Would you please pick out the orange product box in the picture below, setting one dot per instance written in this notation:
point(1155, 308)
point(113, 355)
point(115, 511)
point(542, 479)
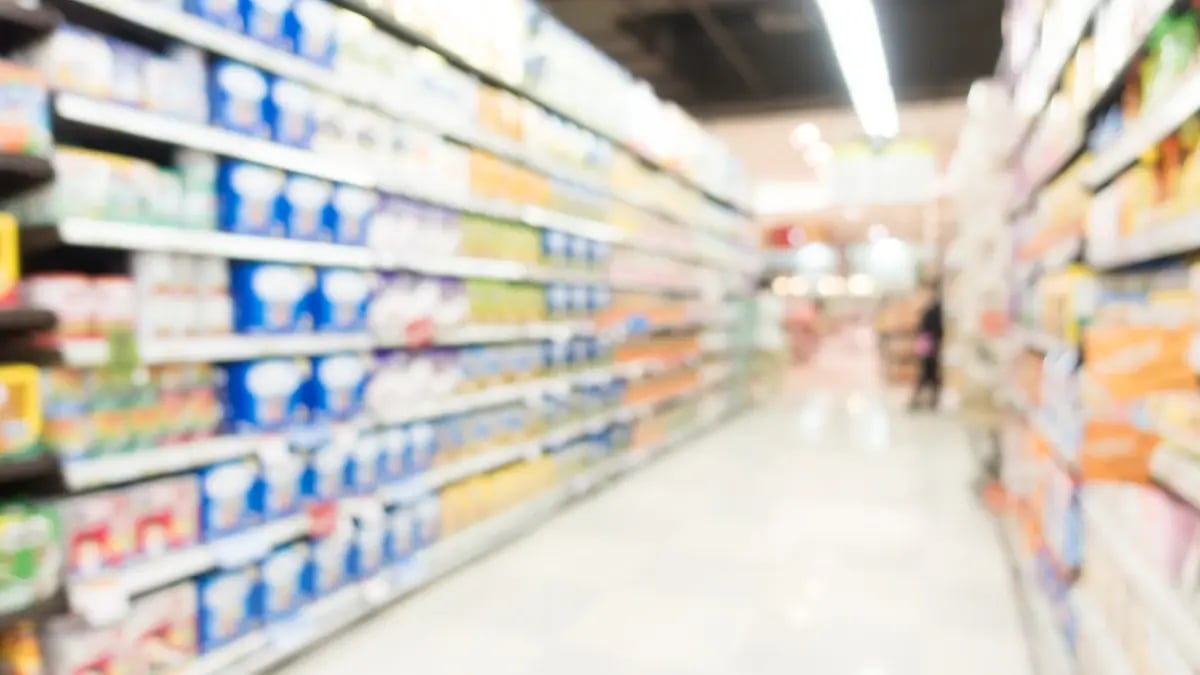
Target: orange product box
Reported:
point(1129, 362)
point(1116, 451)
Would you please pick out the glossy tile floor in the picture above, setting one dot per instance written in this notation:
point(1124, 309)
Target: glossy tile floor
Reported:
point(824, 534)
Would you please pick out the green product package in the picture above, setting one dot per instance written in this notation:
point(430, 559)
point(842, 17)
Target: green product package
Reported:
point(30, 554)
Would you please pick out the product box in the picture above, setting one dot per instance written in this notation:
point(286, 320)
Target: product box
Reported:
point(402, 539)
point(284, 572)
point(325, 473)
point(238, 98)
point(165, 513)
point(31, 554)
point(364, 465)
point(265, 20)
point(77, 60)
point(229, 604)
point(350, 214)
point(227, 503)
point(393, 445)
point(336, 388)
point(21, 416)
point(97, 531)
point(428, 514)
point(160, 631)
point(24, 114)
point(280, 486)
point(422, 447)
point(264, 395)
point(74, 647)
point(293, 109)
point(311, 26)
point(273, 298)
point(303, 208)
point(221, 12)
point(340, 300)
point(368, 553)
point(330, 560)
point(248, 197)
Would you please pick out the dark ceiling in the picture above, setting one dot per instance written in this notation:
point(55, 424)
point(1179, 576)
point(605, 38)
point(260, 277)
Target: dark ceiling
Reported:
point(733, 56)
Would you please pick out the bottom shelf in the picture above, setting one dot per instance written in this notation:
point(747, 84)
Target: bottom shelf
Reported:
point(1047, 645)
point(266, 649)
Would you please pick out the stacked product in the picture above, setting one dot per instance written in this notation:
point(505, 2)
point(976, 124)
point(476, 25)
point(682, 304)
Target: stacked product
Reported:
point(330, 317)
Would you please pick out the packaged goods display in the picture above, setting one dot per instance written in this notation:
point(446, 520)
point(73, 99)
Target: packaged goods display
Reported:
point(1101, 461)
point(326, 317)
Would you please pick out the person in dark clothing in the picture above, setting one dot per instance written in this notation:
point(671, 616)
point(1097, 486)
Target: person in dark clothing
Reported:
point(929, 351)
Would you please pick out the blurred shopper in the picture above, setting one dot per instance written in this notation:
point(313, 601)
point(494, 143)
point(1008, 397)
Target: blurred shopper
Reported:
point(928, 348)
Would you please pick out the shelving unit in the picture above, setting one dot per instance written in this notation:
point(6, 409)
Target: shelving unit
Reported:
point(544, 402)
point(1092, 287)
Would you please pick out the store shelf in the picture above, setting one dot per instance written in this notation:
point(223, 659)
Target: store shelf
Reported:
point(1165, 606)
point(1098, 648)
point(92, 353)
point(131, 121)
point(22, 23)
point(1177, 471)
point(42, 609)
point(1176, 237)
point(20, 319)
point(399, 29)
point(90, 473)
point(87, 232)
point(269, 648)
point(1045, 69)
point(38, 468)
point(1047, 641)
point(1167, 113)
point(1154, 9)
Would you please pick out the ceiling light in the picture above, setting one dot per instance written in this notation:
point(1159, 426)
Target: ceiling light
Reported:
point(804, 135)
point(819, 154)
point(779, 286)
point(854, 31)
point(831, 285)
point(798, 286)
point(861, 285)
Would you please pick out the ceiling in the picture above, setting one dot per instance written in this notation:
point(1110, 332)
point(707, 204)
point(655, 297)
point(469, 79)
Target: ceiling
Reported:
point(733, 56)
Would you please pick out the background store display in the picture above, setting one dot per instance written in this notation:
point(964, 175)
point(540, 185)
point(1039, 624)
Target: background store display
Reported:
point(332, 317)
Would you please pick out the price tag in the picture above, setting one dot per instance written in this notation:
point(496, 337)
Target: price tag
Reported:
point(240, 550)
point(377, 591)
point(419, 333)
point(322, 519)
point(101, 601)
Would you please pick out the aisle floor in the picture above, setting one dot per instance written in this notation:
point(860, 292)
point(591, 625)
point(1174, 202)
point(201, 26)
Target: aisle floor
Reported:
point(824, 534)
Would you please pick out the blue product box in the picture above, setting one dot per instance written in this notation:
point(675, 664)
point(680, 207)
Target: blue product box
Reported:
point(238, 98)
point(248, 199)
point(340, 300)
point(367, 555)
point(330, 561)
point(280, 484)
point(393, 446)
point(221, 12)
point(270, 298)
point(266, 20)
point(228, 606)
point(401, 541)
point(558, 298)
point(312, 29)
point(302, 208)
point(449, 433)
point(263, 395)
point(555, 246)
point(363, 465)
point(324, 473)
point(350, 213)
point(422, 448)
point(293, 113)
point(337, 386)
point(227, 504)
point(429, 521)
point(283, 576)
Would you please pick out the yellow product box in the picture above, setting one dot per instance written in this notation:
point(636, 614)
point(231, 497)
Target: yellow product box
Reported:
point(20, 411)
point(10, 260)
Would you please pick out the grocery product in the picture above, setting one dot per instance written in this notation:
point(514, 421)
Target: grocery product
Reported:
point(20, 411)
point(32, 554)
point(248, 199)
point(270, 298)
point(24, 116)
point(228, 603)
point(284, 591)
point(264, 395)
point(339, 300)
point(227, 498)
point(303, 206)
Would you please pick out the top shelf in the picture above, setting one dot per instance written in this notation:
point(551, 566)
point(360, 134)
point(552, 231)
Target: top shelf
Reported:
point(400, 30)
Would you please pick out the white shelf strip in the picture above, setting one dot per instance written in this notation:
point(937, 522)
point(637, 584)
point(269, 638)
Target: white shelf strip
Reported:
point(1166, 114)
point(94, 352)
point(1177, 471)
point(1101, 650)
point(1175, 237)
point(158, 127)
point(1165, 604)
point(1049, 646)
point(330, 615)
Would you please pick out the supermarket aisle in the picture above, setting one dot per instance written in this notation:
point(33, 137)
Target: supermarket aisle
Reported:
point(819, 535)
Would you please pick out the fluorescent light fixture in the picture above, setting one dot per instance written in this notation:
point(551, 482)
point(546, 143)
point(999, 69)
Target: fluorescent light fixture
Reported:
point(861, 285)
point(805, 135)
point(854, 31)
point(798, 286)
